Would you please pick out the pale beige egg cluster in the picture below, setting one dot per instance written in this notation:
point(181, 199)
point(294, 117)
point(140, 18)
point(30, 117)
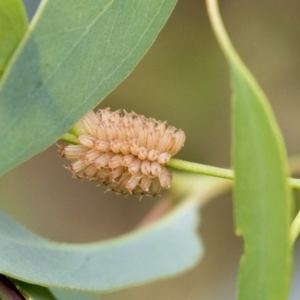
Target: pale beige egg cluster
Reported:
point(125, 151)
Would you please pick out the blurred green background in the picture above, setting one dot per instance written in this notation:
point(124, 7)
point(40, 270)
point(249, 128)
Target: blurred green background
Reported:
point(182, 79)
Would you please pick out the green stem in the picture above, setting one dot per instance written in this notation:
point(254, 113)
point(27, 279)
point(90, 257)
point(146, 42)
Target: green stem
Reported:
point(229, 174)
point(200, 169)
point(192, 167)
point(295, 183)
point(295, 228)
point(220, 32)
point(213, 171)
point(70, 138)
point(187, 166)
point(77, 130)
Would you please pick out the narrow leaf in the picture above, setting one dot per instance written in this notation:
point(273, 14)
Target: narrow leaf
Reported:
point(262, 195)
point(34, 292)
point(75, 53)
point(13, 25)
point(74, 295)
point(163, 249)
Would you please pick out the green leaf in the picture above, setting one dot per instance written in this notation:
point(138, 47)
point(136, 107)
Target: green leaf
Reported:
point(262, 195)
point(75, 53)
point(160, 250)
point(13, 25)
point(74, 295)
point(34, 292)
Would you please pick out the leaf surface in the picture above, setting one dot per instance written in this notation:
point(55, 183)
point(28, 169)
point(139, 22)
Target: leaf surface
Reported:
point(13, 25)
point(34, 292)
point(74, 295)
point(74, 54)
point(261, 192)
point(168, 247)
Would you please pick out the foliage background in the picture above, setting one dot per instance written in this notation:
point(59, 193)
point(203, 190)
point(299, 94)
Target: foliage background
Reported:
point(182, 79)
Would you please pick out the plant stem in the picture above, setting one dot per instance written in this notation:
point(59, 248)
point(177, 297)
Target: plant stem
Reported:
point(77, 130)
point(295, 183)
point(295, 228)
point(213, 171)
point(221, 34)
point(192, 167)
point(229, 174)
point(70, 138)
point(188, 166)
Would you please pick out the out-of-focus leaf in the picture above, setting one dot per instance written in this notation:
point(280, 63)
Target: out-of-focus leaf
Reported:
point(262, 195)
point(74, 295)
point(35, 292)
point(160, 250)
point(13, 25)
point(76, 52)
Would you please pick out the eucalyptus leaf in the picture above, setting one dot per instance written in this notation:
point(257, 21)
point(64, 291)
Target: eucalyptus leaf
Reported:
point(35, 292)
point(261, 192)
point(75, 52)
point(74, 295)
point(167, 247)
point(13, 25)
